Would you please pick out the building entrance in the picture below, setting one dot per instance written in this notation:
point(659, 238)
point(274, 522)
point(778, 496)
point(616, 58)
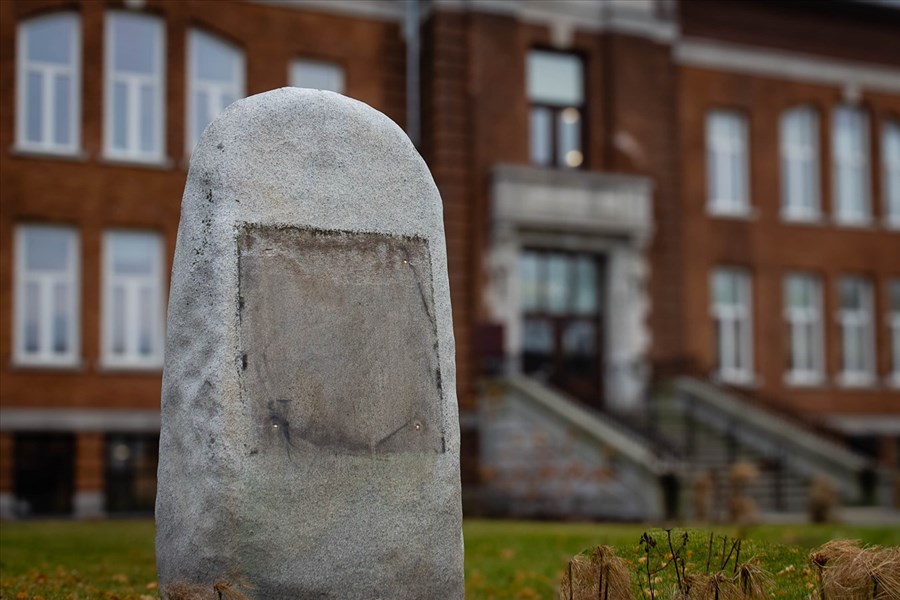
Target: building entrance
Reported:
point(562, 321)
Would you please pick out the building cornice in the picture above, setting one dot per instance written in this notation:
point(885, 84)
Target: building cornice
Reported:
point(782, 64)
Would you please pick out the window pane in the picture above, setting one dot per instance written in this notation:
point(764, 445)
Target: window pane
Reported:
point(135, 43)
point(892, 169)
point(202, 118)
point(214, 60)
point(60, 318)
point(541, 136)
point(851, 158)
point(529, 282)
point(317, 75)
point(799, 152)
point(147, 321)
point(585, 286)
point(148, 118)
point(134, 253)
point(34, 98)
point(118, 320)
point(894, 295)
point(120, 115)
point(555, 78)
point(47, 248)
point(851, 294)
point(62, 110)
point(228, 100)
point(557, 284)
point(32, 330)
point(725, 288)
point(50, 39)
point(569, 151)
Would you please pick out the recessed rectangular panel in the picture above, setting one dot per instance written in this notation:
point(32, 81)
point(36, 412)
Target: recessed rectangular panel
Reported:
point(339, 341)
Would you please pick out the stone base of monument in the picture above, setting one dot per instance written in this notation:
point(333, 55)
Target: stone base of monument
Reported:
point(310, 439)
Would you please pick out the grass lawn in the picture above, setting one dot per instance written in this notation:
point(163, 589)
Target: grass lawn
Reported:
point(504, 559)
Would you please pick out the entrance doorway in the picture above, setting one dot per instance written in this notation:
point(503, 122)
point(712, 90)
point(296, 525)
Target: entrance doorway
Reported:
point(44, 472)
point(562, 321)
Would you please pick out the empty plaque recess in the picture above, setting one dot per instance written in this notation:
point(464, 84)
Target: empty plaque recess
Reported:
point(339, 345)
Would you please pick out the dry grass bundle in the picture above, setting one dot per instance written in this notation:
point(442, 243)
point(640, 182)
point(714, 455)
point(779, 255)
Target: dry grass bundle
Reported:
point(704, 485)
point(220, 590)
point(753, 581)
point(717, 586)
point(742, 474)
point(597, 575)
point(847, 571)
point(187, 591)
point(823, 500)
point(741, 507)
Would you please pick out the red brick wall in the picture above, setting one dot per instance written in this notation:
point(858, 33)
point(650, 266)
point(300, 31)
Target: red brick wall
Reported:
point(93, 196)
point(769, 248)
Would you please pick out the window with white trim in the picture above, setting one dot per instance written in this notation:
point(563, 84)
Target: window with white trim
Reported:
point(857, 334)
point(134, 111)
point(46, 296)
point(799, 133)
point(556, 113)
point(803, 314)
point(48, 115)
point(215, 80)
point(850, 165)
point(317, 75)
point(132, 299)
point(727, 163)
point(732, 318)
point(890, 156)
point(894, 327)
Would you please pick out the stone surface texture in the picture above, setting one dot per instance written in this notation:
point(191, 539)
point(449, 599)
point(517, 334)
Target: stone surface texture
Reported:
point(310, 439)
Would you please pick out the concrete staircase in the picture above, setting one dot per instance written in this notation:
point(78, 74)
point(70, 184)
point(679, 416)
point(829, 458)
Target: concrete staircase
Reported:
point(712, 429)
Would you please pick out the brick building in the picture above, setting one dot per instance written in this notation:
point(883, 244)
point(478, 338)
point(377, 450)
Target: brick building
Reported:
point(634, 191)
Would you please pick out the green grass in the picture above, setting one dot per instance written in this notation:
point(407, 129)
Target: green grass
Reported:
point(504, 559)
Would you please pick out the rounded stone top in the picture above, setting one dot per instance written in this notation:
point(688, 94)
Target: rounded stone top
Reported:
point(312, 150)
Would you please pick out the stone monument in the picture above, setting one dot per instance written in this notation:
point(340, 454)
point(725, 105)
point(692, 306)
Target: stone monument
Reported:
point(310, 440)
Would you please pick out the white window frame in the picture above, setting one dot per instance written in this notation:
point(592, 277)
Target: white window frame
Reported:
point(132, 360)
point(843, 162)
point(48, 72)
point(863, 319)
point(800, 158)
point(891, 175)
point(893, 323)
point(800, 321)
point(215, 90)
point(735, 148)
point(316, 61)
point(734, 354)
point(133, 81)
point(45, 357)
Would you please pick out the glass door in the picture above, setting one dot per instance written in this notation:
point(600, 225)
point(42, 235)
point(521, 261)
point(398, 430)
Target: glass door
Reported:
point(561, 303)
